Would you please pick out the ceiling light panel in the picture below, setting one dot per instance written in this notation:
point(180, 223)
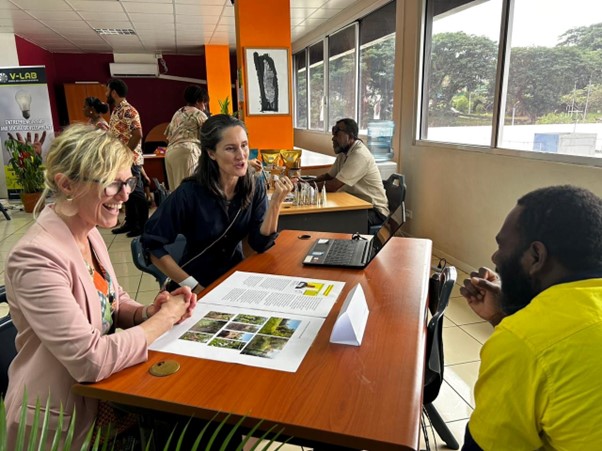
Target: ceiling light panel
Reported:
point(115, 31)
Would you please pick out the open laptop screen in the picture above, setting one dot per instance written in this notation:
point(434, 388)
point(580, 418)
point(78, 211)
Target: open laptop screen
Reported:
point(387, 230)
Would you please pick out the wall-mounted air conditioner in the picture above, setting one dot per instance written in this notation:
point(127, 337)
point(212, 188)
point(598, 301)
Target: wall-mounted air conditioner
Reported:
point(124, 70)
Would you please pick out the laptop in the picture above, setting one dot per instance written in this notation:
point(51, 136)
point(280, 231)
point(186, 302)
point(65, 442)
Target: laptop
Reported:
point(353, 253)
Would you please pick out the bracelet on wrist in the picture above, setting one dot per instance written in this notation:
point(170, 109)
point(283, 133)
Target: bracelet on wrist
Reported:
point(145, 312)
point(189, 282)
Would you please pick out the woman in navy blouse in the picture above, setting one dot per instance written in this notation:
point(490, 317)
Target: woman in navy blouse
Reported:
point(215, 208)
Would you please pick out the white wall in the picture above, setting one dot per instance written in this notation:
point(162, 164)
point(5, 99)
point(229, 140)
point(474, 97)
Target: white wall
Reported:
point(8, 56)
point(459, 196)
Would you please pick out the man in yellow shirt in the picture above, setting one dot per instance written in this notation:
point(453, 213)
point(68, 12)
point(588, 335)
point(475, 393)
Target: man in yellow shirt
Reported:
point(539, 381)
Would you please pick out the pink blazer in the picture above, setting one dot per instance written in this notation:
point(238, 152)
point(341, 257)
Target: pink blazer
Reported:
point(56, 310)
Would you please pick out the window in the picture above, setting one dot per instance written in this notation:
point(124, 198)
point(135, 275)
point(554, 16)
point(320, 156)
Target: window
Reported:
point(358, 74)
point(461, 74)
point(553, 92)
point(342, 75)
point(537, 88)
point(316, 86)
point(377, 54)
point(300, 89)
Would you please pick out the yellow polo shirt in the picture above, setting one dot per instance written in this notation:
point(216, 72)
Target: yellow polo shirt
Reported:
point(540, 380)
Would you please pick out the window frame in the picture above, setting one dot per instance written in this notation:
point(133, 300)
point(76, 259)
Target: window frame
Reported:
point(500, 91)
point(354, 22)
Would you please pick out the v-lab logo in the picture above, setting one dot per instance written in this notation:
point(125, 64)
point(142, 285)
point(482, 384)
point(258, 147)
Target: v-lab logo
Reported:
point(32, 76)
point(23, 75)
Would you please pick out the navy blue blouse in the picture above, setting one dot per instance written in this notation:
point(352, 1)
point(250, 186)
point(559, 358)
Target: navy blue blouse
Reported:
point(199, 215)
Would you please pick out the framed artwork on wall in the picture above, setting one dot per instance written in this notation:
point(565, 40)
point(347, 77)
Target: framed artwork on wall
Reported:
point(267, 81)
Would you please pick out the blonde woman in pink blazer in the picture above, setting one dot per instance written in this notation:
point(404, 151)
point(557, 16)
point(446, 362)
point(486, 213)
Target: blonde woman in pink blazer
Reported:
point(63, 294)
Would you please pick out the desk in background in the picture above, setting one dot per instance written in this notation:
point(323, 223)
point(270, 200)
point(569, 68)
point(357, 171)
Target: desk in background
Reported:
point(315, 163)
point(312, 163)
point(367, 397)
point(154, 166)
point(343, 213)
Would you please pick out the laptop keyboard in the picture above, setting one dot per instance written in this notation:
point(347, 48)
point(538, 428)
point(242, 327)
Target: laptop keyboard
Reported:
point(340, 252)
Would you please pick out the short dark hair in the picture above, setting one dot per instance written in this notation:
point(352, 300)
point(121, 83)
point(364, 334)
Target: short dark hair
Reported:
point(350, 126)
point(568, 221)
point(118, 86)
point(194, 94)
point(207, 171)
point(98, 105)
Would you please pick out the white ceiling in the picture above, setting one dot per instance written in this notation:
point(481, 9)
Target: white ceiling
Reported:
point(166, 26)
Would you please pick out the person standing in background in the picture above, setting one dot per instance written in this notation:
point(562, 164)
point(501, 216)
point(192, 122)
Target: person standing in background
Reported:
point(94, 108)
point(125, 125)
point(183, 135)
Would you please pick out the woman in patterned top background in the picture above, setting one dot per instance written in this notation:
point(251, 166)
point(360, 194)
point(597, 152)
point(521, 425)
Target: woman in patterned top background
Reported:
point(183, 136)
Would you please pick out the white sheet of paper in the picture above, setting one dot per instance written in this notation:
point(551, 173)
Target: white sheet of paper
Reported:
point(255, 319)
point(351, 323)
point(284, 294)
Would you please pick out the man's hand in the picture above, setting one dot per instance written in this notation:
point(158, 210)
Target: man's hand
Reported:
point(37, 142)
point(483, 291)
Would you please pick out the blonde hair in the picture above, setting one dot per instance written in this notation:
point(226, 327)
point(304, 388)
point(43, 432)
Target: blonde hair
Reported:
point(83, 153)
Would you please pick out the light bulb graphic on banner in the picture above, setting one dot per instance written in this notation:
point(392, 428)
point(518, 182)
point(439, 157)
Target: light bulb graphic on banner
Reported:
point(23, 99)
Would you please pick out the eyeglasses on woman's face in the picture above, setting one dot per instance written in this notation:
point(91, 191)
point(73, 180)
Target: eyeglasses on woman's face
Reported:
point(114, 188)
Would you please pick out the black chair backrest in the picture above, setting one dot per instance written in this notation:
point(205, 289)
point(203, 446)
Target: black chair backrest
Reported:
point(395, 188)
point(440, 288)
point(143, 263)
point(8, 351)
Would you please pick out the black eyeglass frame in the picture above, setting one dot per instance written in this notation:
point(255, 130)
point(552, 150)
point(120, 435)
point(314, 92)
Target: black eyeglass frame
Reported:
point(335, 129)
point(117, 185)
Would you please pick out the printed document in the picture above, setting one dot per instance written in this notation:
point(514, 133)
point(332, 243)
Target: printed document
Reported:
point(255, 319)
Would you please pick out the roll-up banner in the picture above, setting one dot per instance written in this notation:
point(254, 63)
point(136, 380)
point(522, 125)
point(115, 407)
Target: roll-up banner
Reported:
point(24, 114)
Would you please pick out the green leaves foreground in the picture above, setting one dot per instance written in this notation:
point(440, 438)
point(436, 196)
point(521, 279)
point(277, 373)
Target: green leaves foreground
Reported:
point(63, 441)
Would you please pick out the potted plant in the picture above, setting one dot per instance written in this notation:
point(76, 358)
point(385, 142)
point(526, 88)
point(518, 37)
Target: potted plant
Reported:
point(26, 163)
point(224, 105)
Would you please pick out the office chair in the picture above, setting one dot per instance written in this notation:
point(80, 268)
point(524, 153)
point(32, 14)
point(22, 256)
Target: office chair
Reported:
point(143, 263)
point(440, 288)
point(395, 188)
point(8, 351)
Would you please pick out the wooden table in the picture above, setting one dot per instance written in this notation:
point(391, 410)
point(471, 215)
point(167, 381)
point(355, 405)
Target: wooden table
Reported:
point(312, 161)
point(343, 213)
point(366, 397)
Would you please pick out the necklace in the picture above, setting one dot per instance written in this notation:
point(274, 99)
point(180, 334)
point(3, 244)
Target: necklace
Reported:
point(90, 268)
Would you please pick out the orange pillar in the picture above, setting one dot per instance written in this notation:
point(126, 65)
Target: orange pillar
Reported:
point(219, 85)
point(265, 24)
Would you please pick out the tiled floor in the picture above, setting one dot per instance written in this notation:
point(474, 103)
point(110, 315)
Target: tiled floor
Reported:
point(464, 332)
